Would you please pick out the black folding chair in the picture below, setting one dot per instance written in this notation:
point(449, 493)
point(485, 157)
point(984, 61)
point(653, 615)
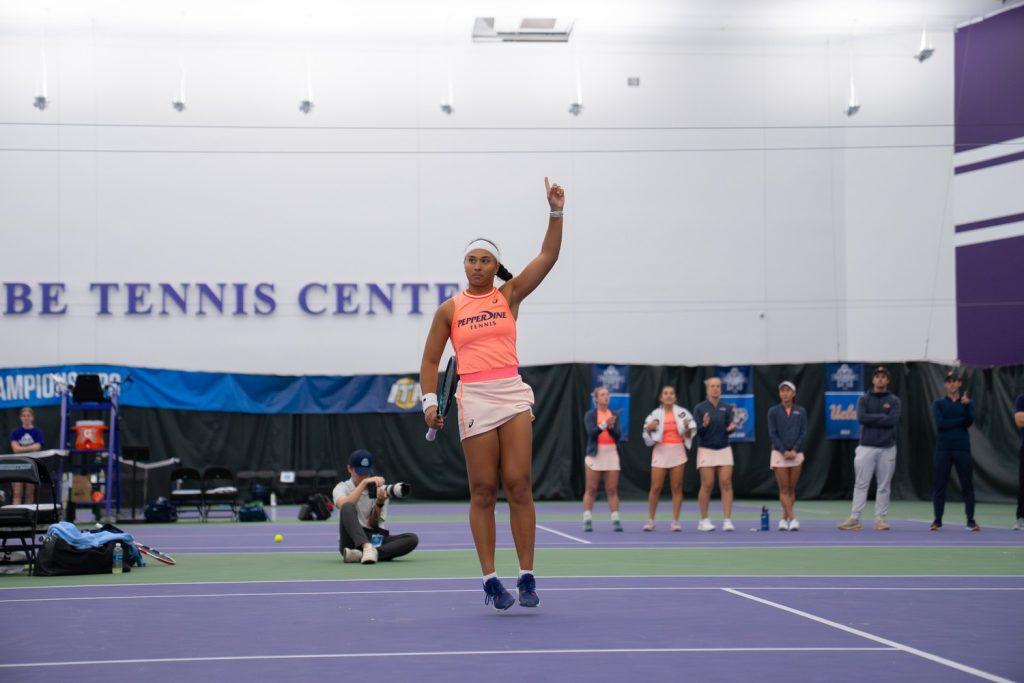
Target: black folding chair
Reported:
point(26, 523)
point(187, 490)
point(245, 480)
point(305, 485)
point(326, 480)
point(220, 491)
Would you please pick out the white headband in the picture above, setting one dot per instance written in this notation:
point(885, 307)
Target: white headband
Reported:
point(490, 248)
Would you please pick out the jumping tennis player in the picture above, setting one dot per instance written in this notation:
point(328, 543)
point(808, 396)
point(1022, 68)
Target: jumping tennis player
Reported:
point(495, 405)
point(669, 429)
point(787, 427)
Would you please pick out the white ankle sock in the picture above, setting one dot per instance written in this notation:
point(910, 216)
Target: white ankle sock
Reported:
point(587, 515)
point(524, 571)
point(488, 577)
point(615, 516)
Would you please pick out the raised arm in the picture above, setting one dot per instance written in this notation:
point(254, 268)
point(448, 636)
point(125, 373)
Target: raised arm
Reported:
point(523, 284)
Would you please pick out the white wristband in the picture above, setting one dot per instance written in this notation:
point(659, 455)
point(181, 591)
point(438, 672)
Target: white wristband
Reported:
point(556, 214)
point(428, 401)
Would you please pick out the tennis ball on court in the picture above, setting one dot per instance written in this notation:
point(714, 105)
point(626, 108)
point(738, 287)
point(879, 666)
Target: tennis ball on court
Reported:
point(278, 538)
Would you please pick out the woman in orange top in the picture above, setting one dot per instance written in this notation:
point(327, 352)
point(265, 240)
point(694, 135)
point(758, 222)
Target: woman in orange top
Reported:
point(495, 405)
point(602, 457)
point(669, 429)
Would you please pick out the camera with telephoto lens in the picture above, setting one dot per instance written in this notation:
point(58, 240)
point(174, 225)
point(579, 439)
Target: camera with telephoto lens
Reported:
point(397, 490)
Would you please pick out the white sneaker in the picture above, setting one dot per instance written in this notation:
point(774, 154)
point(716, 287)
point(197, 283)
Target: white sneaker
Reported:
point(351, 555)
point(705, 525)
point(794, 525)
point(1019, 526)
point(369, 555)
point(727, 525)
point(783, 525)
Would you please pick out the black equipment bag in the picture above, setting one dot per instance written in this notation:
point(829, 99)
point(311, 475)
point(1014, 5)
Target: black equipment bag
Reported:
point(57, 557)
point(320, 506)
point(161, 510)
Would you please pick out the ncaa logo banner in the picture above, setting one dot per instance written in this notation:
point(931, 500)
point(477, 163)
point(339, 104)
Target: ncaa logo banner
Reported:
point(615, 378)
point(738, 390)
point(844, 385)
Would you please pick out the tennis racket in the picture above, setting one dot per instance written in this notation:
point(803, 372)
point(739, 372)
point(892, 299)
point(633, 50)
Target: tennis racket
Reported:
point(446, 396)
point(155, 554)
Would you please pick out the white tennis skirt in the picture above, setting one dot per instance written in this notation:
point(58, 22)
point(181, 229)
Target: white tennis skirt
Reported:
point(484, 406)
point(714, 457)
point(779, 460)
point(606, 459)
point(668, 455)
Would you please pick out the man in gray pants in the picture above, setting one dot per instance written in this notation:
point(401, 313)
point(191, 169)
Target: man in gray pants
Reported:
point(879, 416)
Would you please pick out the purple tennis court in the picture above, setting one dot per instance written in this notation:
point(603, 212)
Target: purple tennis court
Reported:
point(714, 628)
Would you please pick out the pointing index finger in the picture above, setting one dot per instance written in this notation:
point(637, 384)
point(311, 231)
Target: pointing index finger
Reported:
point(547, 185)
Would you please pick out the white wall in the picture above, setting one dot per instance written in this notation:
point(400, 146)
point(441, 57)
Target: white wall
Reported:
point(725, 211)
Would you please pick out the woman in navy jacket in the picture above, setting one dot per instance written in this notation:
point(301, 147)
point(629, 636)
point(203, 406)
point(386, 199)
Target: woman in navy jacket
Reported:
point(602, 458)
point(787, 426)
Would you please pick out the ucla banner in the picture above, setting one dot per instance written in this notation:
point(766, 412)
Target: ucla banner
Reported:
point(214, 391)
point(844, 385)
point(615, 378)
point(738, 390)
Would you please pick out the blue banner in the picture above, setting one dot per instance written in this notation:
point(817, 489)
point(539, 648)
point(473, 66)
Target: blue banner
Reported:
point(844, 385)
point(615, 378)
point(738, 390)
point(216, 391)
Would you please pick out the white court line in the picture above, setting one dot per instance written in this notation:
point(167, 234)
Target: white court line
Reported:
point(878, 639)
point(450, 653)
point(546, 589)
point(546, 578)
point(562, 534)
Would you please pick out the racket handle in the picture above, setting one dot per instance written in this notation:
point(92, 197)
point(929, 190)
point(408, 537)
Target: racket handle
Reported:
point(431, 434)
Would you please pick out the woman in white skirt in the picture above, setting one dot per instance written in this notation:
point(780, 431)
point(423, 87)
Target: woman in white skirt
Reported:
point(787, 426)
point(669, 429)
point(495, 406)
point(602, 458)
point(715, 422)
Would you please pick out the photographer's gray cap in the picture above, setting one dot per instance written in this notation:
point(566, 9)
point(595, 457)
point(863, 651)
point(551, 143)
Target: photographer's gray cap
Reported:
point(361, 461)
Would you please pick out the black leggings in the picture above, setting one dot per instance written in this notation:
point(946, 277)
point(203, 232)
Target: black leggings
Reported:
point(944, 462)
point(354, 535)
point(1020, 487)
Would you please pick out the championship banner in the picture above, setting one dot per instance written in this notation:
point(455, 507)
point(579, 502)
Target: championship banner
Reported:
point(223, 392)
point(738, 390)
point(844, 385)
point(615, 378)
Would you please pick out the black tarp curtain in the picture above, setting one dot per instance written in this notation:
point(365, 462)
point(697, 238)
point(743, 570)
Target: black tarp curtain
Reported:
point(437, 471)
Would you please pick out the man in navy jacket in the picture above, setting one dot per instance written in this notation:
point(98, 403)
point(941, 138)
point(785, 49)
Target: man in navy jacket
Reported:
point(953, 414)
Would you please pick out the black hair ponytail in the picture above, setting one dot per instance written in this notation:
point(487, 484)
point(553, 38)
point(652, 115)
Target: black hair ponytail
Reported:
point(503, 273)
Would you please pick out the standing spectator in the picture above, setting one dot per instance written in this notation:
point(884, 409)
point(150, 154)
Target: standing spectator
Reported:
point(1018, 419)
point(25, 439)
point(879, 416)
point(669, 430)
point(953, 414)
point(715, 422)
point(787, 426)
point(602, 458)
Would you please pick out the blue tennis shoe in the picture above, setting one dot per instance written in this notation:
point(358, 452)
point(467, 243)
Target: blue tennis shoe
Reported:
point(497, 595)
point(527, 586)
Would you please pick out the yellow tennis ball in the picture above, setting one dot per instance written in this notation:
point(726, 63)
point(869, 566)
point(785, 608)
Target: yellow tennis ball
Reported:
point(278, 538)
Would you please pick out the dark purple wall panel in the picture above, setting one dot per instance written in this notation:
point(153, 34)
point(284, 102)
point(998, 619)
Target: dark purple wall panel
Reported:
point(990, 302)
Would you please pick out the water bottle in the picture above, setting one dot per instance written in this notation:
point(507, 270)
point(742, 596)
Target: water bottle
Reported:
point(764, 518)
point(376, 540)
point(273, 506)
point(118, 559)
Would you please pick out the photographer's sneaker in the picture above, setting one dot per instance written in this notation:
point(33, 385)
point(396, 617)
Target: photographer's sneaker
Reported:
point(727, 525)
point(351, 555)
point(497, 595)
point(369, 555)
point(588, 525)
point(527, 586)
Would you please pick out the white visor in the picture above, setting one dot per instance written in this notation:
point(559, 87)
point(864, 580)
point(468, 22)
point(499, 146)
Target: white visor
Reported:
point(789, 384)
point(490, 248)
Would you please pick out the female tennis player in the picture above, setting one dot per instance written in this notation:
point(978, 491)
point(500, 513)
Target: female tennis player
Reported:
point(495, 405)
point(669, 429)
point(602, 458)
point(787, 425)
point(715, 422)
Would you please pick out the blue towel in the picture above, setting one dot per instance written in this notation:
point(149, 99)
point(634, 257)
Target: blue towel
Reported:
point(70, 533)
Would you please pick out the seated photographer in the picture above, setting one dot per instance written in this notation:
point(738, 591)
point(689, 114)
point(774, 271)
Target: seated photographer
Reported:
point(362, 503)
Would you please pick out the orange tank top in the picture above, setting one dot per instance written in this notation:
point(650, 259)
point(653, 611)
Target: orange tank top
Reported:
point(604, 438)
point(484, 336)
point(671, 433)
